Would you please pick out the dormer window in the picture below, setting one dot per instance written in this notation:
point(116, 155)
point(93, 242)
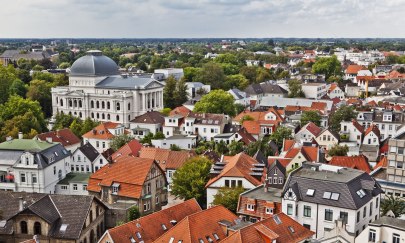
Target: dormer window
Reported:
point(269, 210)
point(115, 188)
point(250, 207)
point(27, 160)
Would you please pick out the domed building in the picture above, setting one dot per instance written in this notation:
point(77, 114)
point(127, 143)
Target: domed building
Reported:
point(97, 90)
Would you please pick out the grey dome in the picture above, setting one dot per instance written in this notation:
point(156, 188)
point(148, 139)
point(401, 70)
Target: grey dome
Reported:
point(94, 64)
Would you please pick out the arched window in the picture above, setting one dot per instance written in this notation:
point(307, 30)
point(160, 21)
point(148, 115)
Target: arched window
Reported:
point(80, 103)
point(70, 103)
point(117, 118)
point(108, 105)
point(129, 117)
point(103, 116)
point(129, 106)
point(80, 114)
point(61, 102)
point(92, 115)
point(98, 116)
point(102, 104)
point(37, 228)
point(23, 227)
point(75, 103)
point(70, 113)
point(92, 104)
point(118, 106)
point(97, 104)
point(108, 117)
point(91, 216)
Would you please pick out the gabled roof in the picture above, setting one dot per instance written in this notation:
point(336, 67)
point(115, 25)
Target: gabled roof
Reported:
point(354, 69)
point(64, 136)
point(359, 162)
point(246, 137)
point(180, 110)
point(154, 225)
point(129, 172)
point(288, 143)
point(281, 230)
point(101, 131)
point(89, 151)
point(30, 145)
point(166, 158)
point(283, 161)
point(357, 125)
point(131, 148)
point(312, 128)
point(240, 166)
point(150, 117)
point(373, 128)
point(200, 225)
point(336, 135)
point(383, 163)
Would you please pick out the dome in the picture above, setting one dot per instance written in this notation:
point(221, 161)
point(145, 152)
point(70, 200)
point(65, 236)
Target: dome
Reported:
point(94, 64)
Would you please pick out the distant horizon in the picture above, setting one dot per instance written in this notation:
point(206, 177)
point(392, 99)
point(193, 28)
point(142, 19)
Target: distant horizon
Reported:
point(197, 38)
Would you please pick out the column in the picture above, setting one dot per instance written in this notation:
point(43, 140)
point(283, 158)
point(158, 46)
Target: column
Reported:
point(143, 101)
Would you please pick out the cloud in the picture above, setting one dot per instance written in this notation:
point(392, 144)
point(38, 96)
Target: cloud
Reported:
point(203, 18)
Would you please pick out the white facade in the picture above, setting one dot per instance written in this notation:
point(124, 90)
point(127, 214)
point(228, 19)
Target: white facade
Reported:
point(314, 90)
point(326, 139)
point(353, 134)
point(184, 142)
point(371, 139)
point(336, 93)
point(382, 233)
point(177, 73)
point(212, 190)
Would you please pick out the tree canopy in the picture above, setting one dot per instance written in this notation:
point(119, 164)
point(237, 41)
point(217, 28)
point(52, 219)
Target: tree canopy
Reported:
point(329, 66)
point(394, 204)
point(344, 113)
point(228, 197)
point(311, 116)
point(217, 101)
point(119, 141)
point(338, 150)
point(295, 89)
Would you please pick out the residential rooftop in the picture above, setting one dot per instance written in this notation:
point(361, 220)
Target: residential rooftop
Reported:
point(75, 177)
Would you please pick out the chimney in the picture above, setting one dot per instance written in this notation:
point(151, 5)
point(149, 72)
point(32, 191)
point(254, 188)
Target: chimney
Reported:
point(20, 135)
point(20, 203)
point(49, 139)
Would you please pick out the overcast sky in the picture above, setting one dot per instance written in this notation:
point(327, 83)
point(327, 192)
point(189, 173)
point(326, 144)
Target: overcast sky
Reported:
point(201, 18)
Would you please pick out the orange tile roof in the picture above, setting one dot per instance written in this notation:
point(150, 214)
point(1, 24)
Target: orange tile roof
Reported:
point(132, 148)
point(63, 136)
point(354, 69)
point(312, 128)
point(353, 101)
point(238, 166)
point(332, 87)
point(357, 125)
point(383, 163)
point(151, 226)
point(359, 162)
point(288, 144)
point(372, 103)
point(166, 158)
point(101, 131)
point(283, 161)
point(181, 110)
point(252, 127)
point(394, 74)
point(373, 128)
point(309, 152)
point(268, 230)
point(130, 172)
point(259, 115)
point(200, 225)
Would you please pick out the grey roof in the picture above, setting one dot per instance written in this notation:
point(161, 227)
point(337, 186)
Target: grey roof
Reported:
point(334, 179)
point(237, 93)
point(75, 177)
point(94, 64)
point(9, 53)
point(89, 151)
point(272, 194)
point(152, 117)
point(9, 157)
point(123, 82)
point(259, 157)
point(71, 210)
point(389, 221)
point(44, 158)
point(283, 102)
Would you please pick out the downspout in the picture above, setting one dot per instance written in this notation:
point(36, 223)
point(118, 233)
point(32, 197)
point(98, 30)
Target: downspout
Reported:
point(317, 216)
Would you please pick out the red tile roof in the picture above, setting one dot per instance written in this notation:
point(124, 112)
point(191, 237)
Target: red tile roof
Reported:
point(373, 128)
point(383, 163)
point(151, 226)
point(268, 230)
point(260, 206)
point(101, 131)
point(259, 115)
point(252, 127)
point(132, 148)
point(130, 172)
point(288, 144)
point(283, 161)
point(394, 74)
point(312, 128)
point(166, 158)
point(359, 162)
point(64, 136)
point(357, 125)
point(354, 69)
point(246, 137)
point(181, 110)
point(200, 225)
point(240, 166)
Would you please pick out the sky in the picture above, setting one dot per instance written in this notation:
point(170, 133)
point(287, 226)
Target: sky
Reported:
point(201, 18)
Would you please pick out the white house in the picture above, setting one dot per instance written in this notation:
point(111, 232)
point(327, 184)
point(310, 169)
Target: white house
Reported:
point(335, 91)
point(86, 159)
point(307, 133)
point(32, 166)
point(372, 136)
point(384, 229)
point(182, 141)
point(100, 136)
point(316, 195)
point(314, 90)
point(97, 90)
point(177, 73)
point(234, 171)
point(194, 87)
point(240, 97)
point(73, 184)
point(351, 131)
point(150, 122)
point(327, 138)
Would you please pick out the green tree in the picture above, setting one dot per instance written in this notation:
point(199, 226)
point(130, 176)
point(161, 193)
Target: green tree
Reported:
point(27, 123)
point(310, 116)
point(168, 92)
point(119, 141)
point(344, 113)
point(189, 180)
point(217, 101)
point(235, 147)
point(236, 81)
point(175, 147)
point(166, 111)
point(228, 197)
point(338, 150)
point(394, 204)
point(246, 118)
point(62, 121)
point(295, 88)
point(249, 72)
point(180, 94)
point(221, 147)
point(88, 125)
point(211, 73)
point(262, 75)
point(190, 73)
point(40, 90)
point(76, 127)
point(133, 213)
point(64, 65)
point(329, 66)
point(280, 135)
point(17, 87)
point(7, 77)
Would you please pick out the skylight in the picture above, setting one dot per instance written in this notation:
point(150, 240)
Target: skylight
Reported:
point(310, 192)
point(335, 196)
point(215, 236)
point(326, 195)
point(171, 240)
point(164, 227)
point(277, 219)
point(361, 193)
point(291, 229)
point(63, 227)
point(132, 239)
point(138, 235)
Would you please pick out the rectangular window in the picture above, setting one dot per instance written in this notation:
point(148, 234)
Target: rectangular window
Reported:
point(371, 208)
point(23, 179)
point(328, 214)
point(97, 144)
point(239, 183)
point(227, 183)
point(365, 211)
point(34, 179)
point(344, 216)
point(269, 210)
point(371, 235)
point(157, 200)
point(233, 183)
point(391, 163)
point(250, 207)
point(307, 211)
point(54, 170)
point(395, 238)
point(289, 209)
point(280, 180)
point(400, 150)
point(275, 180)
point(63, 188)
point(74, 187)
point(83, 168)
point(84, 188)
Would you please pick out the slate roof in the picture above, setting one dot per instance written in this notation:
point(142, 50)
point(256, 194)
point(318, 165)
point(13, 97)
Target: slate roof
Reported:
point(265, 88)
point(269, 230)
point(150, 117)
point(64, 136)
point(71, 210)
point(152, 226)
point(324, 178)
point(94, 64)
point(390, 222)
point(89, 151)
point(129, 83)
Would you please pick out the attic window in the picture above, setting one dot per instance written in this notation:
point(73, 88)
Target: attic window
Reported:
point(138, 235)
point(65, 152)
point(327, 195)
point(164, 227)
point(216, 236)
point(291, 229)
point(63, 227)
point(335, 196)
point(361, 193)
point(200, 240)
point(310, 192)
point(209, 238)
point(56, 153)
point(171, 240)
point(276, 219)
point(115, 187)
point(132, 239)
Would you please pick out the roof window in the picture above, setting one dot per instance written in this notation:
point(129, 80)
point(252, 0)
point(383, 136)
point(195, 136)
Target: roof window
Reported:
point(361, 193)
point(310, 192)
point(327, 195)
point(335, 196)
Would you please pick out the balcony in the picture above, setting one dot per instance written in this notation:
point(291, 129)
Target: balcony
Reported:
point(7, 186)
